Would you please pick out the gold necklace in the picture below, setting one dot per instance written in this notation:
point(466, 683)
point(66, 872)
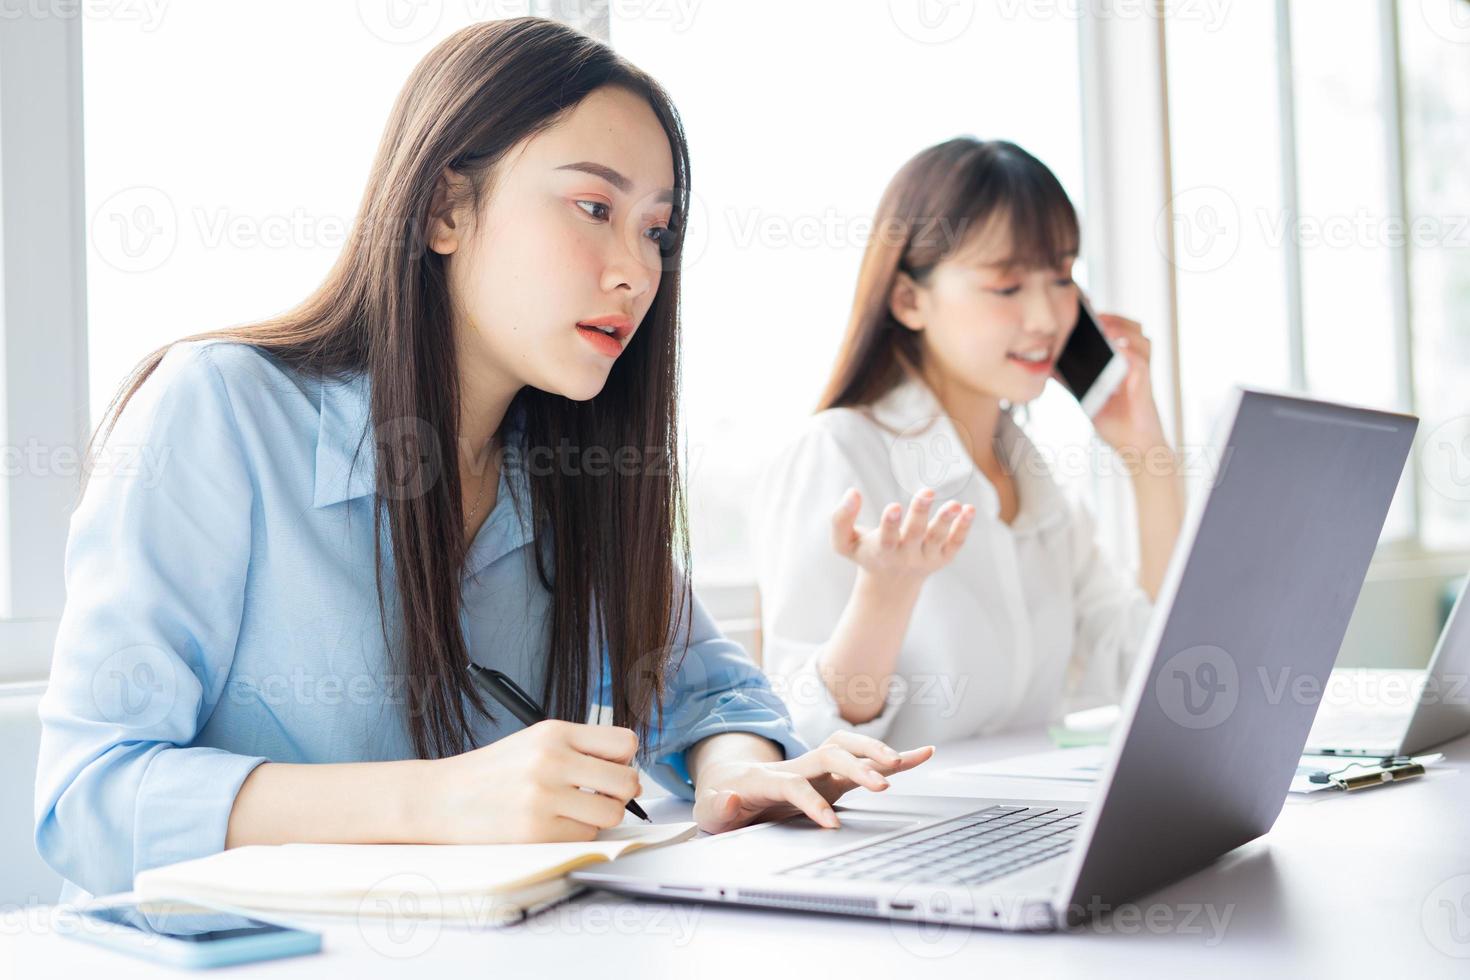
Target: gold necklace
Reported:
point(475, 507)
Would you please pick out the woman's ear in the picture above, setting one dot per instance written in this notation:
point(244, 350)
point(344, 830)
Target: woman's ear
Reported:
point(903, 302)
point(447, 222)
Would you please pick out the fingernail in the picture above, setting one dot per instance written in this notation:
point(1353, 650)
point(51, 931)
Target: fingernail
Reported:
point(829, 819)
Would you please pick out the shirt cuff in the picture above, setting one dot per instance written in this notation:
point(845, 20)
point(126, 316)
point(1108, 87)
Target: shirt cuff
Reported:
point(671, 770)
point(816, 714)
point(184, 804)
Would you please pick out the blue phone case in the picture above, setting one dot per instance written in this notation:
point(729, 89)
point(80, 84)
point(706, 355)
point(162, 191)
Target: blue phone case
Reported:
point(191, 955)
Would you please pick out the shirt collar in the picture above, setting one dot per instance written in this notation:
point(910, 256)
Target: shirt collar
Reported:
point(928, 450)
point(342, 434)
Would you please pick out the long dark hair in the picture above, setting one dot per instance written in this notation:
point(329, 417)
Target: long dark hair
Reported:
point(935, 202)
point(384, 309)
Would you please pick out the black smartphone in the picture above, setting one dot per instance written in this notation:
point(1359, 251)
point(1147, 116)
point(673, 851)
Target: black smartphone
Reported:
point(1088, 366)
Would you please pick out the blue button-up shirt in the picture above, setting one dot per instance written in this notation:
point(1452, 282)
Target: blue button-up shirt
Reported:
point(222, 612)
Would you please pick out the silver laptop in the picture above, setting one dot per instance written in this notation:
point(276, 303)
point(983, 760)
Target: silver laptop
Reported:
point(1264, 578)
point(1438, 712)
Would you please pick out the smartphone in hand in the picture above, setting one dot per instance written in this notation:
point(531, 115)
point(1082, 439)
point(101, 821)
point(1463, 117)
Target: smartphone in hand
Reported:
point(1089, 367)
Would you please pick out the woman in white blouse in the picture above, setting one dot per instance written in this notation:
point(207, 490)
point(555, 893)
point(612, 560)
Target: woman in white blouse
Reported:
point(986, 603)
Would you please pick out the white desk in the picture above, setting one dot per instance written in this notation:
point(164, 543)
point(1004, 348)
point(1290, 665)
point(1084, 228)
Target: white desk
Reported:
point(1372, 884)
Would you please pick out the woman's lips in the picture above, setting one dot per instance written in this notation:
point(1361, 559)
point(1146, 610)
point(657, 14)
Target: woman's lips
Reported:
point(1035, 367)
point(604, 344)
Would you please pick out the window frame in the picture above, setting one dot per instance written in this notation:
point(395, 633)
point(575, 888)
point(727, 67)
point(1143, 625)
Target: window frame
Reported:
point(43, 324)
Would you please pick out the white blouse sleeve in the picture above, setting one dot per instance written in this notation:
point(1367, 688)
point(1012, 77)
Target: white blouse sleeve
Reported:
point(804, 584)
point(1112, 613)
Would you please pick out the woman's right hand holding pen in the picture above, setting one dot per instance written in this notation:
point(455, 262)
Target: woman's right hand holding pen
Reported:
point(526, 787)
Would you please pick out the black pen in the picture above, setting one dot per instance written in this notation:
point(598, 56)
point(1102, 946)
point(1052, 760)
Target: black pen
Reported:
point(528, 712)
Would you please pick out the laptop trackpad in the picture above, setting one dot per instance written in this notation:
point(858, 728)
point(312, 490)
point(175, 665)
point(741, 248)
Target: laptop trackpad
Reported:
point(802, 838)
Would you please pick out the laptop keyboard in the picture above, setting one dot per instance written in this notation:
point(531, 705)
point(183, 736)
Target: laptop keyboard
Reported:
point(967, 850)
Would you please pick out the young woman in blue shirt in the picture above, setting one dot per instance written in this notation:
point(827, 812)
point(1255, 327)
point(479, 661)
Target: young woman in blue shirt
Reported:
point(461, 447)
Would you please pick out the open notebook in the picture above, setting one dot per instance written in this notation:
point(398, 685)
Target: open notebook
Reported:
point(483, 884)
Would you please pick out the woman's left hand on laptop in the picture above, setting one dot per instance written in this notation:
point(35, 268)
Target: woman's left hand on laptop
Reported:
point(732, 791)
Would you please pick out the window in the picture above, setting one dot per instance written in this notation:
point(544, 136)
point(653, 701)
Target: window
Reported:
point(1434, 58)
point(798, 115)
point(225, 202)
point(1308, 218)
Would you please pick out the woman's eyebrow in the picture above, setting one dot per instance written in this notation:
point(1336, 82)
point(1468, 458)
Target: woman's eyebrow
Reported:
point(610, 175)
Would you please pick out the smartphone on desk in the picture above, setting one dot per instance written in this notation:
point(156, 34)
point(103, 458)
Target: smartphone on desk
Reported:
point(188, 935)
point(1088, 366)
